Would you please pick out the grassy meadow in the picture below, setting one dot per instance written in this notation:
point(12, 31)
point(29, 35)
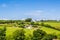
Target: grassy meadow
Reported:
point(12, 27)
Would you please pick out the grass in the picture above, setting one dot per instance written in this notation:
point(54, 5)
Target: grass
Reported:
point(54, 24)
point(10, 30)
point(50, 31)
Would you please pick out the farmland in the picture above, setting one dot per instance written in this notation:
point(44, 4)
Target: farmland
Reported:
point(12, 26)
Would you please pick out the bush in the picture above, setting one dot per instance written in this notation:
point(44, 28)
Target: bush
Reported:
point(19, 34)
point(21, 25)
point(42, 24)
point(49, 37)
point(47, 25)
point(38, 34)
point(3, 33)
point(29, 37)
point(32, 23)
point(28, 19)
point(35, 26)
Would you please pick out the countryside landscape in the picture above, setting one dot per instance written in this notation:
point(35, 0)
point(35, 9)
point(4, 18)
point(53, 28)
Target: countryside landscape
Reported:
point(29, 19)
point(29, 30)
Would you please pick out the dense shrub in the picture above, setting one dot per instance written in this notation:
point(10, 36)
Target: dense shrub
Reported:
point(32, 23)
point(38, 34)
point(42, 24)
point(19, 34)
point(49, 37)
point(47, 25)
point(3, 33)
point(21, 25)
point(28, 37)
point(35, 26)
point(28, 19)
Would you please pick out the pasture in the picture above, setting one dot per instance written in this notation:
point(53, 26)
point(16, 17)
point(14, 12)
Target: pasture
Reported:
point(10, 30)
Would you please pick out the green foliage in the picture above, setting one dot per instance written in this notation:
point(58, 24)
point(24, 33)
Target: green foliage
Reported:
point(49, 21)
point(29, 37)
point(35, 26)
point(38, 34)
point(28, 20)
point(42, 24)
point(47, 25)
point(12, 25)
point(21, 25)
point(49, 37)
point(19, 34)
point(32, 23)
point(3, 33)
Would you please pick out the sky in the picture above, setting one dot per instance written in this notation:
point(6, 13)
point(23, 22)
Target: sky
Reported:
point(35, 9)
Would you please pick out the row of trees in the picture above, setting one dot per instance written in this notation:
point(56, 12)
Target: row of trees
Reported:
point(26, 20)
point(15, 21)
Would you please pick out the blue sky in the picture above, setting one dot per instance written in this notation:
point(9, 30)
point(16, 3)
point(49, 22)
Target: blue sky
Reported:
point(36, 9)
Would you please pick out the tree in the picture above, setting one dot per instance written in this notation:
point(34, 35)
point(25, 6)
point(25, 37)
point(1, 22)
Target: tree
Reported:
point(42, 24)
point(29, 37)
point(3, 33)
point(49, 37)
point(38, 34)
point(32, 23)
point(19, 35)
point(21, 25)
point(28, 19)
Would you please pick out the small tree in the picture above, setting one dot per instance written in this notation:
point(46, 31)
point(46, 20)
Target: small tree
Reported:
point(38, 34)
point(28, 19)
point(19, 35)
point(42, 24)
point(29, 37)
point(32, 23)
point(3, 33)
point(49, 37)
point(21, 25)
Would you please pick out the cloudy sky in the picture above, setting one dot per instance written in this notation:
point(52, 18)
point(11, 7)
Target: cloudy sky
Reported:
point(36, 9)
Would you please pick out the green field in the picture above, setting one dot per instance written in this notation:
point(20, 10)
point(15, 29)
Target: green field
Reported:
point(11, 29)
point(54, 24)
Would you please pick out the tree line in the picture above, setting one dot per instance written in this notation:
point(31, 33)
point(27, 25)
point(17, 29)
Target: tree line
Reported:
point(26, 20)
